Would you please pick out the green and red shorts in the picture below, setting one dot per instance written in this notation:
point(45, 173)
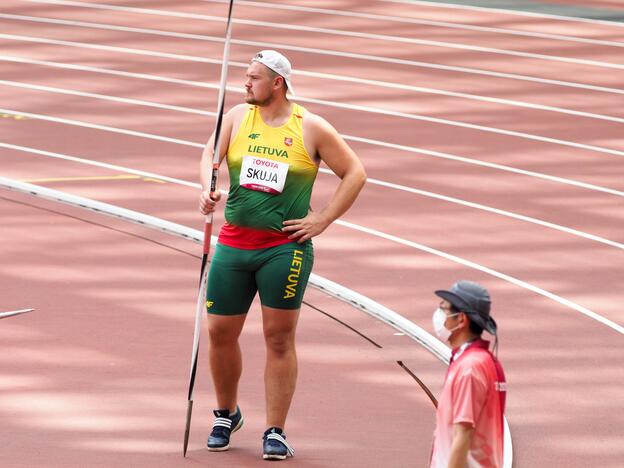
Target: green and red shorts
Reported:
point(279, 274)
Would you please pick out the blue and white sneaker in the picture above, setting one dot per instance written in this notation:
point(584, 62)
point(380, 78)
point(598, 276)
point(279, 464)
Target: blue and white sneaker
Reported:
point(224, 425)
point(274, 445)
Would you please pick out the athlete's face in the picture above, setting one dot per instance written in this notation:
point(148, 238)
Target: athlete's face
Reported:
point(261, 84)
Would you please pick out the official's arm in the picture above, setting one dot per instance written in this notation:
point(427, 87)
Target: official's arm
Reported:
point(462, 436)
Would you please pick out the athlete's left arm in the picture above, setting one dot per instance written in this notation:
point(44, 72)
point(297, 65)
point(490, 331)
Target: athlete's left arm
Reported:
point(340, 158)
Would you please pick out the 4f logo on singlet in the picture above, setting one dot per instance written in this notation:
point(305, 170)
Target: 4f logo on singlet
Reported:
point(254, 136)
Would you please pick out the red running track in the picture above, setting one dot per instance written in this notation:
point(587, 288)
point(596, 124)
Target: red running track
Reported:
point(97, 375)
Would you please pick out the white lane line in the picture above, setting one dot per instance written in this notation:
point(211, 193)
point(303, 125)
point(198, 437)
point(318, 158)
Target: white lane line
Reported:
point(338, 105)
point(455, 123)
point(489, 271)
point(490, 209)
point(177, 229)
point(478, 206)
point(105, 97)
point(90, 162)
point(350, 79)
point(476, 162)
point(335, 32)
point(377, 58)
point(105, 128)
point(367, 141)
point(507, 12)
point(404, 188)
point(191, 58)
point(408, 20)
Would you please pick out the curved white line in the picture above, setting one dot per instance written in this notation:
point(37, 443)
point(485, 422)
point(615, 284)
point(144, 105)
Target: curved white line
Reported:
point(409, 20)
point(372, 308)
point(192, 58)
point(350, 79)
point(507, 12)
point(336, 32)
point(338, 105)
point(382, 144)
point(403, 188)
point(170, 227)
point(490, 209)
point(476, 162)
point(455, 123)
point(359, 301)
point(523, 284)
point(475, 97)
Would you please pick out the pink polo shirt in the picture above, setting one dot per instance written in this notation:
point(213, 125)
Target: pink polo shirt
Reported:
point(474, 393)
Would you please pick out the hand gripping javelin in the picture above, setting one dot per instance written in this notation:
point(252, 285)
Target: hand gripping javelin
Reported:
point(203, 275)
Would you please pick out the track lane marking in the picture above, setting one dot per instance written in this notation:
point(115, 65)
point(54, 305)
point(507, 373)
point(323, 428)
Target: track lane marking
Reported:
point(458, 201)
point(476, 266)
point(115, 167)
point(351, 79)
point(383, 144)
point(91, 178)
point(507, 12)
point(476, 162)
point(173, 228)
point(374, 110)
point(363, 303)
point(105, 97)
point(420, 21)
point(337, 32)
point(81, 178)
point(192, 58)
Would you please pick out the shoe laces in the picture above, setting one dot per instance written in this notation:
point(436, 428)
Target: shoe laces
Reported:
point(221, 427)
point(274, 436)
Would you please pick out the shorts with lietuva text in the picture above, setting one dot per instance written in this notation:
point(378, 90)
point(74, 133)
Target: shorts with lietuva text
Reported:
point(279, 274)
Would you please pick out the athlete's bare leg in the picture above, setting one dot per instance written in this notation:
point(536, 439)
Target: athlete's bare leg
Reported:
point(280, 374)
point(226, 363)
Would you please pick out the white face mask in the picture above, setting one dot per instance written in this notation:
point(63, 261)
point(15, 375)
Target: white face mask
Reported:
point(439, 317)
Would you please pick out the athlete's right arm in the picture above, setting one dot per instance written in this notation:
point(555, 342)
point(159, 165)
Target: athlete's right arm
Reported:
point(231, 119)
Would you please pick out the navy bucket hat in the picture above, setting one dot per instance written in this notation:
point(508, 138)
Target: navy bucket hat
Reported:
point(472, 299)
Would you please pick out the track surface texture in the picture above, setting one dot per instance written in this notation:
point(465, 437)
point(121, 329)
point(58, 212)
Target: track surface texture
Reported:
point(493, 144)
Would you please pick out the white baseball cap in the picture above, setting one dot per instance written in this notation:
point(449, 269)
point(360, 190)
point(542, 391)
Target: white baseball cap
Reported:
point(276, 62)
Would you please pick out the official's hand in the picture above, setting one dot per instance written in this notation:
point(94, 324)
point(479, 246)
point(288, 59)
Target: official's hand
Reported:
point(305, 228)
point(207, 204)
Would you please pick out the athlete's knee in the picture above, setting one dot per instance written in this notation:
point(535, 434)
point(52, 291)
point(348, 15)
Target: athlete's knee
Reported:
point(223, 332)
point(279, 341)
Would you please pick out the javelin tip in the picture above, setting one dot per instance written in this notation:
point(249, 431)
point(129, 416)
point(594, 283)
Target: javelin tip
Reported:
point(13, 313)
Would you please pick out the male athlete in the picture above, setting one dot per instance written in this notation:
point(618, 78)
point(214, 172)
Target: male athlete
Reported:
point(469, 418)
point(273, 148)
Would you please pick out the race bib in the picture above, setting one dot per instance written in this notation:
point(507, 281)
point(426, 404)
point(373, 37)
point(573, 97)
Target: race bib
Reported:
point(263, 175)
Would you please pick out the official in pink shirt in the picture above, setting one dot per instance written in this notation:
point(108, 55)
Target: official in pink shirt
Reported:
point(469, 419)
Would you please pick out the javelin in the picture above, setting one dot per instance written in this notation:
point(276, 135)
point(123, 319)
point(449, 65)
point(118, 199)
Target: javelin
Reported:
point(14, 313)
point(201, 297)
